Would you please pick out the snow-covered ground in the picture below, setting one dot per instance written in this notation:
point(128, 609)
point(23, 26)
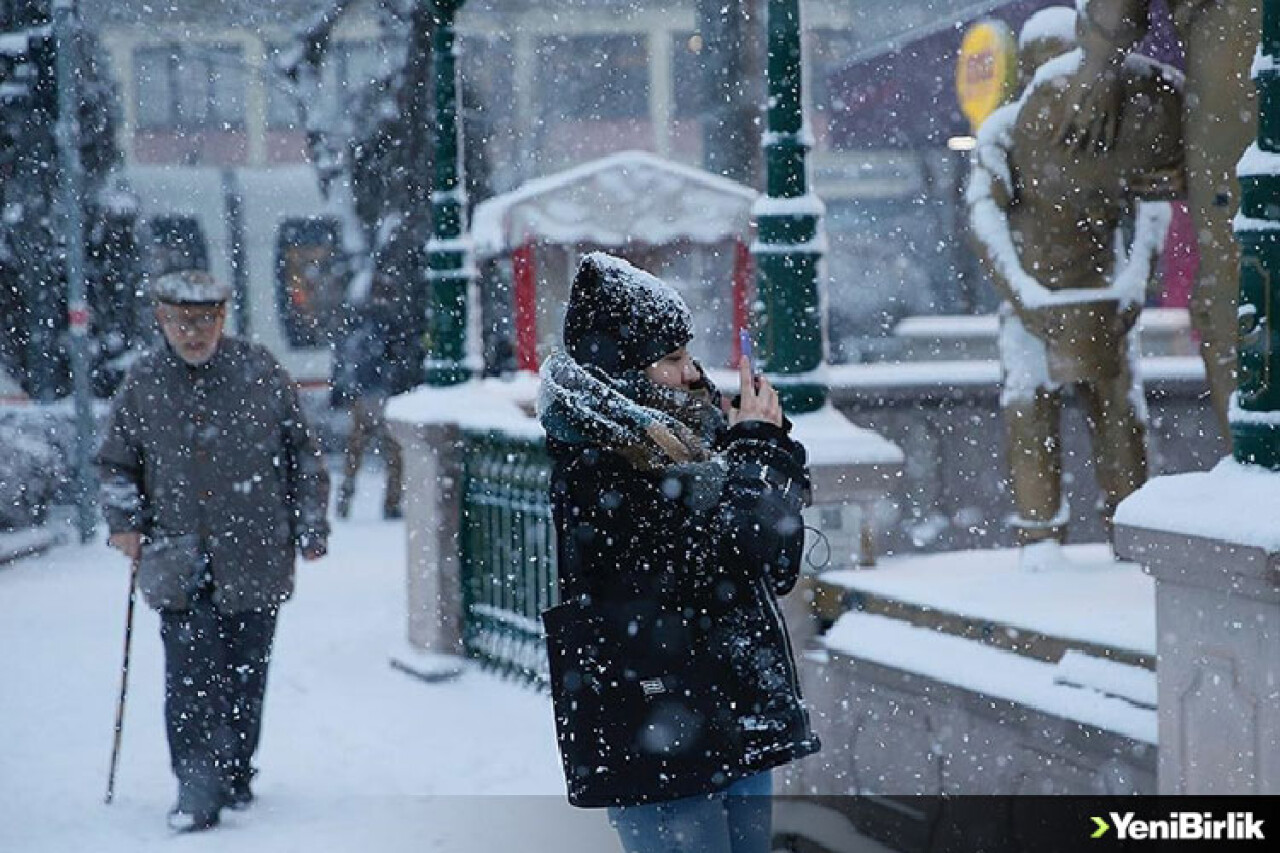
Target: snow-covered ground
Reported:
point(355, 755)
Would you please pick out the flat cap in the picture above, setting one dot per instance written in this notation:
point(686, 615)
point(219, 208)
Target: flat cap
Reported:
point(189, 287)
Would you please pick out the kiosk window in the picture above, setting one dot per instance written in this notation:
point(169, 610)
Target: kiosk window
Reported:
point(309, 280)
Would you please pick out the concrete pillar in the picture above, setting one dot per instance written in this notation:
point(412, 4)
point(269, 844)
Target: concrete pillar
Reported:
point(433, 510)
point(1218, 627)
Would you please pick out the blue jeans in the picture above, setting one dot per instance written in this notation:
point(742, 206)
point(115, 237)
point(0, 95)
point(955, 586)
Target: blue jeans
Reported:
point(738, 819)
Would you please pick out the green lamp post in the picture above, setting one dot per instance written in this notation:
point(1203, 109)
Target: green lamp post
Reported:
point(449, 265)
point(789, 236)
point(1255, 413)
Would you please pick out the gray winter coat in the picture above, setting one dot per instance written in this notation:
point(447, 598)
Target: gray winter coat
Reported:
point(216, 467)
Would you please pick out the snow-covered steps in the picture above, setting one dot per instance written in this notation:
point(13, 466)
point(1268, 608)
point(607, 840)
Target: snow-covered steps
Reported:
point(965, 673)
point(1084, 601)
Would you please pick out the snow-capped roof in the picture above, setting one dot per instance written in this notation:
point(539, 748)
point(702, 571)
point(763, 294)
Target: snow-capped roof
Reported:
point(629, 197)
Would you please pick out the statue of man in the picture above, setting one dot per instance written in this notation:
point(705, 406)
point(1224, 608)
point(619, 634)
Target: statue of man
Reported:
point(1219, 38)
point(1070, 238)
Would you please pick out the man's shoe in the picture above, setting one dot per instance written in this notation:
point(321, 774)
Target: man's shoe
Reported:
point(238, 795)
point(182, 819)
point(392, 513)
point(236, 792)
point(344, 505)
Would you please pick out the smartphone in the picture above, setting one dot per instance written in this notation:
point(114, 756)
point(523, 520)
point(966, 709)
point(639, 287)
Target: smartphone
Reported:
point(746, 350)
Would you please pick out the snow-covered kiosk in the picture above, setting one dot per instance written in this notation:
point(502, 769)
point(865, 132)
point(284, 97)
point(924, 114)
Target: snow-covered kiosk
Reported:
point(689, 227)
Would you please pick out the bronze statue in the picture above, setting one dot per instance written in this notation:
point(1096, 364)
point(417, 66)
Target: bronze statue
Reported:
point(1219, 38)
point(1070, 238)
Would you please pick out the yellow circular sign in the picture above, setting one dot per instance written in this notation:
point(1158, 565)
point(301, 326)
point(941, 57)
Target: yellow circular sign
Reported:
point(987, 73)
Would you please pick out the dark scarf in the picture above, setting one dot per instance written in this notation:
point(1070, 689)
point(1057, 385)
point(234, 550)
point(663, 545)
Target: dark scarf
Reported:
point(653, 427)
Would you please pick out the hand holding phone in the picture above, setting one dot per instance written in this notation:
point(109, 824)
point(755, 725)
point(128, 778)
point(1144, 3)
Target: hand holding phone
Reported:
point(757, 400)
point(747, 356)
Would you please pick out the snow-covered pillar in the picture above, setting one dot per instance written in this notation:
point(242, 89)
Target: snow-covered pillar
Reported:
point(449, 266)
point(433, 509)
point(1255, 409)
point(428, 422)
point(789, 242)
point(1216, 562)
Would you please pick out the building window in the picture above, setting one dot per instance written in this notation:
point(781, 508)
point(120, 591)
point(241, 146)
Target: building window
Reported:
point(349, 68)
point(310, 282)
point(184, 87)
point(594, 77)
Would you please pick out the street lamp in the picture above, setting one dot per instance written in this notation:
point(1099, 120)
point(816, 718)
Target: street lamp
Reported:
point(789, 238)
point(449, 265)
point(1255, 409)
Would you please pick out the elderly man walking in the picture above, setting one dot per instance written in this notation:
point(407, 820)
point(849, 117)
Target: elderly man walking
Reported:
point(213, 481)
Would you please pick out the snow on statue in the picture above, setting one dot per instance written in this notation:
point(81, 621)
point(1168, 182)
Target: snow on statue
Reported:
point(1070, 237)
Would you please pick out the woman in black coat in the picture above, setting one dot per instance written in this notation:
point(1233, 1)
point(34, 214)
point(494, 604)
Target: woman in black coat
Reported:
point(678, 526)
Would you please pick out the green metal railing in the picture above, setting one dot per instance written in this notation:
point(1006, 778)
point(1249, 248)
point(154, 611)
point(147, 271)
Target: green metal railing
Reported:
point(508, 552)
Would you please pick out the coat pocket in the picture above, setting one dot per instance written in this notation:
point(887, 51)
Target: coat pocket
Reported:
point(170, 570)
point(630, 688)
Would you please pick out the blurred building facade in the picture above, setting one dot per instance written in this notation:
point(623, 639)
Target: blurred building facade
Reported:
point(562, 82)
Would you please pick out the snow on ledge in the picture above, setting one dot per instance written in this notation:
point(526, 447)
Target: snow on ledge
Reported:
point(471, 405)
point(831, 439)
point(948, 326)
point(1233, 503)
point(1089, 598)
point(985, 670)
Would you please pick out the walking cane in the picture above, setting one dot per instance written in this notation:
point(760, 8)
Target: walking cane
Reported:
point(124, 681)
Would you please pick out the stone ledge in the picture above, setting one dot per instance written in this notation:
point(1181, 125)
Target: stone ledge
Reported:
point(1200, 561)
point(889, 731)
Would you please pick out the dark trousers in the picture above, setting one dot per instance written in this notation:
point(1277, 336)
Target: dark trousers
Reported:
point(369, 423)
point(215, 679)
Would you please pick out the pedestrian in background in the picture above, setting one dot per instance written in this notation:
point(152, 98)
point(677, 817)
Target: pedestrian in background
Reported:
point(678, 525)
point(212, 480)
point(372, 363)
